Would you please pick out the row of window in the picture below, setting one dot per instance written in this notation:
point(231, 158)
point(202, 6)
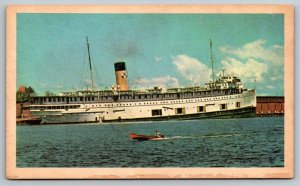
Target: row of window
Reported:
point(158, 112)
point(224, 105)
point(145, 103)
point(74, 99)
point(129, 104)
point(155, 112)
point(54, 107)
point(123, 97)
point(178, 111)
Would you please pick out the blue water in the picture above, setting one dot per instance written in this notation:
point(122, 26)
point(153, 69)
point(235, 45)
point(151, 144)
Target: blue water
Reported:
point(245, 142)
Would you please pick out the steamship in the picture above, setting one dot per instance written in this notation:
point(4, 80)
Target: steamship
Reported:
point(224, 97)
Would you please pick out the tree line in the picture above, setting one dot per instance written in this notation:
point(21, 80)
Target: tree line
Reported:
point(23, 93)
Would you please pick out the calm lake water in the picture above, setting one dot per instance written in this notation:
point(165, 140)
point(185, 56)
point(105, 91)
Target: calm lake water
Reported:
point(245, 142)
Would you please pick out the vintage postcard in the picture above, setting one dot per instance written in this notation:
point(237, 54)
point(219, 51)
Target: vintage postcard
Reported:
point(150, 91)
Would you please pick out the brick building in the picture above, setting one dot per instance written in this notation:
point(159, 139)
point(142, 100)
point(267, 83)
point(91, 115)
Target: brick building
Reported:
point(269, 105)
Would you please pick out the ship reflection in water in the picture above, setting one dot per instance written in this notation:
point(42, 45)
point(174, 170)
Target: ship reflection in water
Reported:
point(242, 142)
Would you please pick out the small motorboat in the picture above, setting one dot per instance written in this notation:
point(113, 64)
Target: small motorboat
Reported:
point(140, 137)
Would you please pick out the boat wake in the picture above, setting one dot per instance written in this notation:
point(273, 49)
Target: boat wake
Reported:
point(220, 135)
point(179, 137)
point(217, 135)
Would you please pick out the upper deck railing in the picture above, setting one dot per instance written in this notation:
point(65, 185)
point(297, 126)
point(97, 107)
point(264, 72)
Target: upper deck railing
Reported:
point(110, 97)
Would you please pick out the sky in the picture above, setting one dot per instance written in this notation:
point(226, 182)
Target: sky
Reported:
point(165, 50)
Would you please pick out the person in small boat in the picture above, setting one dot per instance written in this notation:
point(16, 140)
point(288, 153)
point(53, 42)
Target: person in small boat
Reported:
point(158, 134)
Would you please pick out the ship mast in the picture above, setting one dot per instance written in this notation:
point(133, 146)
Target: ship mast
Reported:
point(212, 62)
point(91, 72)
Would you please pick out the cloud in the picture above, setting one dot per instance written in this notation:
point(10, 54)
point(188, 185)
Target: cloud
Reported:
point(252, 61)
point(158, 59)
point(191, 69)
point(57, 86)
point(257, 60)
point(257, 50)
point(274, 78)
point(42, 84)
point(248, 71)
point(88, 82)
point(164, 82)
point(270, 87)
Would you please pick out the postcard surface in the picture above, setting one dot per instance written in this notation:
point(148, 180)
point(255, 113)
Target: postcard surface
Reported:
point(150, 91)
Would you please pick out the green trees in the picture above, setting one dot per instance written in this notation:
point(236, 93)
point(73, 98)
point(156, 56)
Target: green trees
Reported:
point(23, 93)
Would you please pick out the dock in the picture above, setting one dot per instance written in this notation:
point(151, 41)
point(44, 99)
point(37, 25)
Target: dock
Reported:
point(24, 116)
point(29, 121)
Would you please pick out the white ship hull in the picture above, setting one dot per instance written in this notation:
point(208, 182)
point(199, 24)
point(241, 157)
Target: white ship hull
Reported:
point(236, 105)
